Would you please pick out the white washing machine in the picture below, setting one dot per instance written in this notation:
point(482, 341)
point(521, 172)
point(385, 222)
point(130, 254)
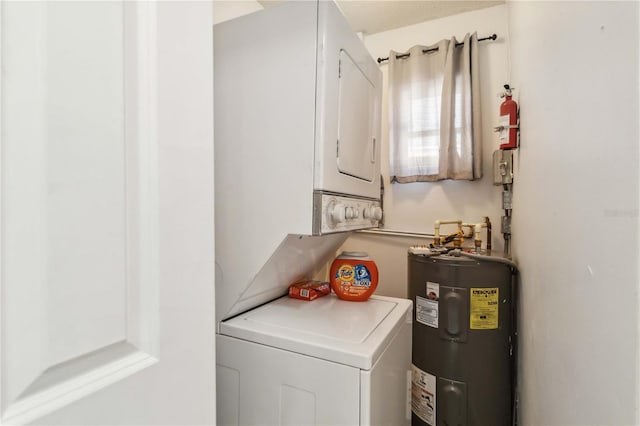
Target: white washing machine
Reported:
point(324, 362)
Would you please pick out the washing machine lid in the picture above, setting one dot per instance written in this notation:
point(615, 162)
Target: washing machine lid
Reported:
point(350, 333)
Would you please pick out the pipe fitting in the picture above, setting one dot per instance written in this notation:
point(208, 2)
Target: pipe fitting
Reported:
point(478, 241)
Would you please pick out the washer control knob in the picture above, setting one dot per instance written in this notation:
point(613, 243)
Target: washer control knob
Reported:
point(338, 213)
point(350, 213)
point(376, 213)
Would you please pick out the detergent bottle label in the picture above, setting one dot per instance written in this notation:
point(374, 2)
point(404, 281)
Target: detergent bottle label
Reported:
point(357, 276)
point(353, 279)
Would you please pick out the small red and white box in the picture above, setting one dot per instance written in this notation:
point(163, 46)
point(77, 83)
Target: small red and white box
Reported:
point(309, 289)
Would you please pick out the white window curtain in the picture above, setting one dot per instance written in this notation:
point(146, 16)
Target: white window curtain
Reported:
point(434, 113)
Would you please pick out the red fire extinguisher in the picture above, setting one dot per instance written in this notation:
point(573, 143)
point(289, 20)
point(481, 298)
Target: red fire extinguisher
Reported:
point(508, 127)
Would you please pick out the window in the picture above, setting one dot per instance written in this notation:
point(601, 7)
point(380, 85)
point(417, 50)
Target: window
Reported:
point(432, 108)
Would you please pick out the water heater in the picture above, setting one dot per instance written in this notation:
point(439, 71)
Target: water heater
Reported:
point(463, 339)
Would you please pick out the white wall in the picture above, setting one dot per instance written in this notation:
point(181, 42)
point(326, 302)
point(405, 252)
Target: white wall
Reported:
point(575, 65)
point(415, 206)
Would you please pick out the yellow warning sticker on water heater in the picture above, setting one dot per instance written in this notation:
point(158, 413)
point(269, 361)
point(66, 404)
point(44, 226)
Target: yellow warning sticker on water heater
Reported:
point(483, 314)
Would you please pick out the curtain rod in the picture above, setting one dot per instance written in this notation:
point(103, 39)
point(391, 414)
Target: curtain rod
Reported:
point(491, 37)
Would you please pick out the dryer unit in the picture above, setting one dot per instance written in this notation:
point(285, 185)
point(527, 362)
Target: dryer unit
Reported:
point(297, 129)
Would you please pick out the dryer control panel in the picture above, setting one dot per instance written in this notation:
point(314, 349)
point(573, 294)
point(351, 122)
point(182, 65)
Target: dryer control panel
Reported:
point(339, 212)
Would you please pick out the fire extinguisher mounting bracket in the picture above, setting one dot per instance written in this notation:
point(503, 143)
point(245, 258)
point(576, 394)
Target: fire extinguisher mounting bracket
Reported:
point(501, 128)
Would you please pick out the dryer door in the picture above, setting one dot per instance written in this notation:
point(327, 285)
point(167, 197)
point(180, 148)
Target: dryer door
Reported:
point(348, 94)
point(356, 153)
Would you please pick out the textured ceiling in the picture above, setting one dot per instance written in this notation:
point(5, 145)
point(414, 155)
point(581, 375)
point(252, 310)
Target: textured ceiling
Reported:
point(372, 17)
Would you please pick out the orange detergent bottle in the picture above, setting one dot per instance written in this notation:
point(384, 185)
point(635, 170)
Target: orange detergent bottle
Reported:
point(354, 276)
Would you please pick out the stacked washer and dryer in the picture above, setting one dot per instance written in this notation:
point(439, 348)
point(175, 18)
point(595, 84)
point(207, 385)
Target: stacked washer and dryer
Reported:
point(297, 166)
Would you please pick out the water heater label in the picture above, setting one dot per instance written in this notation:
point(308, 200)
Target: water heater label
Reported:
point(423, 395)
point(483, 313)
point(427, 311)
point(433, 291)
